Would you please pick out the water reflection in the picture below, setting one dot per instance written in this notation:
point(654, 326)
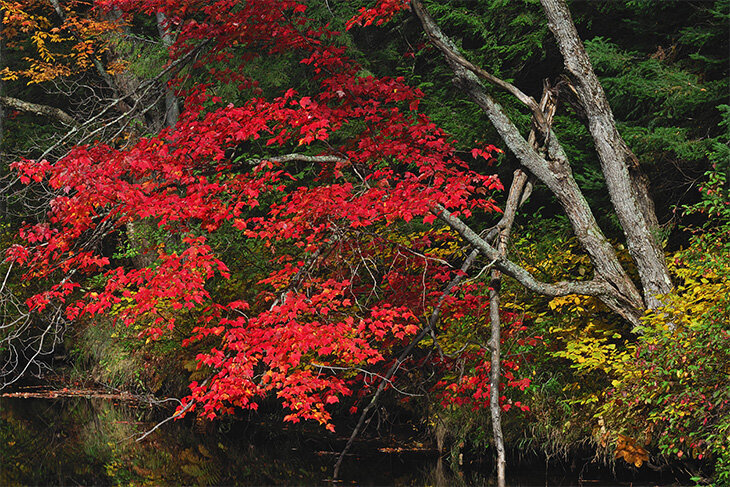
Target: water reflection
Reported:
point(86, 441)
point(79, 441)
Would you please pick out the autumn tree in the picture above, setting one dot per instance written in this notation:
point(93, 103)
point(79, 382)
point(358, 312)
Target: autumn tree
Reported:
point(69, 77)
point(347, 197)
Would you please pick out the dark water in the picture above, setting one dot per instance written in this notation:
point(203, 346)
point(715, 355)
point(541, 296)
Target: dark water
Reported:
point(85, 441)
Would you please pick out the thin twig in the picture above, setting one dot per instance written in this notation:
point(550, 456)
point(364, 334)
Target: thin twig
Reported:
point(433, 320)
point(174, 416)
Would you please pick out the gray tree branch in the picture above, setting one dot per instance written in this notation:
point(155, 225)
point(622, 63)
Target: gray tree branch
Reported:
point(37, 109)
point(553, 170)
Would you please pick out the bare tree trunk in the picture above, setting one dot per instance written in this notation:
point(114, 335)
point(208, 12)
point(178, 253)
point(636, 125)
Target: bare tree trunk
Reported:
point(519, 184)
point(626, 185)
point(494, 374)
point(519, 190)
point(543, 156)
point(172, 111)
point(549, 165)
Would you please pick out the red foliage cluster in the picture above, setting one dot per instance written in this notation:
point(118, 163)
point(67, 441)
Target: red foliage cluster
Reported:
point(472, 387)
point(322, 310)
point(378, 15)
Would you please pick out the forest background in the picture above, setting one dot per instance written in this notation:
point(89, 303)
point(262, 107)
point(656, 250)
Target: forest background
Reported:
point(312, 206)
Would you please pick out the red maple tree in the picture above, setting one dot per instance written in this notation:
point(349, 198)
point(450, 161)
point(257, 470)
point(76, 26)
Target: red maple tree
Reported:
point(358, 264)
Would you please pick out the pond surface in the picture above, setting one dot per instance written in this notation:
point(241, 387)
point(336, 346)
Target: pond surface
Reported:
point(86, 440)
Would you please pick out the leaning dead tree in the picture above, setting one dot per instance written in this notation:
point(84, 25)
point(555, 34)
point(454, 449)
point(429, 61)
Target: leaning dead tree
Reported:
point(548, 163)
point(542, 157)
